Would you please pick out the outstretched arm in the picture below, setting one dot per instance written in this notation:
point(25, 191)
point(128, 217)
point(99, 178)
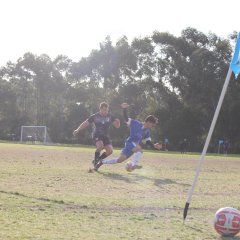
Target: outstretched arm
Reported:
point(157, 146)
point(124, 106)
point(81, 126)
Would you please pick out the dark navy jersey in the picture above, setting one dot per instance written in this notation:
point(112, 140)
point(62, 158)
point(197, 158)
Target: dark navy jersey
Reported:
point(138, 132)
point(101, 123)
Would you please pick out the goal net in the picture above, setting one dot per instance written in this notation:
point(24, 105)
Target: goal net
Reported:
point(35, 134)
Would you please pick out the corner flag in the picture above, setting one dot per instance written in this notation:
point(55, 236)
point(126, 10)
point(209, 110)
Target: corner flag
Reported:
point(235, 63)
point(234, 67)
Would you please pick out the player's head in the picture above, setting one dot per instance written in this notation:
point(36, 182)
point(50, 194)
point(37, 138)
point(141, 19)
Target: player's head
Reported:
point(150, 121)
point(103, 108)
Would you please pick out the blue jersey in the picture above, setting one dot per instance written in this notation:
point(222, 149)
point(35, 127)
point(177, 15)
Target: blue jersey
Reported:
point(138, 132)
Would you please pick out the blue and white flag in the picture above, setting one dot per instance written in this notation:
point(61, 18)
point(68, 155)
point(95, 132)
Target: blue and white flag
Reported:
point(235, 63)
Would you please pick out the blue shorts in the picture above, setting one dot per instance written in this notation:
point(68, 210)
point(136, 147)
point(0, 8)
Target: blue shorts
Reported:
point(128, 149)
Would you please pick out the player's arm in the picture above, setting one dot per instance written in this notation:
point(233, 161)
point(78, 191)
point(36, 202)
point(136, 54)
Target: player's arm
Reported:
point(124, 106)
point(154, 146)
point(81, 127)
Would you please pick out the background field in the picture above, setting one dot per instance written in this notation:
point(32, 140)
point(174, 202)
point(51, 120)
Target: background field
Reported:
point(46, 192)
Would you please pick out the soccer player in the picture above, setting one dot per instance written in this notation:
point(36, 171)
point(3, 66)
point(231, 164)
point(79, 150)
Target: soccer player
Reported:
point(101, 120)
point(138, 132)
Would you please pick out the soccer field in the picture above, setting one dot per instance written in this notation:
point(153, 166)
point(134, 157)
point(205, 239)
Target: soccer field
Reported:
point(46, 192)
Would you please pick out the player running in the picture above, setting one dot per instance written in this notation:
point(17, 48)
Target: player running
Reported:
point(138, 132)
point(101, 120)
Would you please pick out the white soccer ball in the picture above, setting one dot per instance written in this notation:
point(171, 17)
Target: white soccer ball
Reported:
point(129, 166)
point(227, 221)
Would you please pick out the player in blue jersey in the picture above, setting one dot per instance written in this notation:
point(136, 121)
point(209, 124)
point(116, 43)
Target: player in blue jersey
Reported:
point(138, 131)
point(101, 120)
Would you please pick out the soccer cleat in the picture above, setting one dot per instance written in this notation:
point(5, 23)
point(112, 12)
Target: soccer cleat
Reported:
point(98, 165)
point(136, 167)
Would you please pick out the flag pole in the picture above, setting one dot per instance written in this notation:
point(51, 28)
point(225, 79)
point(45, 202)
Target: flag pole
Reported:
point(201, 159)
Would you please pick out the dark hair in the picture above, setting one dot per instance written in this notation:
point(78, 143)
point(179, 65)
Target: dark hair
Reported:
point(151, 119)
point(103, 105)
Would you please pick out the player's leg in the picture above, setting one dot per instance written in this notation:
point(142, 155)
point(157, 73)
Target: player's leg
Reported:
point(126, 153)
point(99, 147)
point(136, 157)
point(107, 146)
point(108, 151)
point(119, 159)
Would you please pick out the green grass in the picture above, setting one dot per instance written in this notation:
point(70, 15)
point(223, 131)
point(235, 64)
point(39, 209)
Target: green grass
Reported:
point(46, 192)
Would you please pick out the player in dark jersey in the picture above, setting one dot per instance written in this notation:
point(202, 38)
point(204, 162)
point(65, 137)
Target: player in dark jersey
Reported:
point(138, 131)
point(101, 120)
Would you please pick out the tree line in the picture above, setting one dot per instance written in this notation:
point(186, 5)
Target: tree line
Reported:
point(178, 79)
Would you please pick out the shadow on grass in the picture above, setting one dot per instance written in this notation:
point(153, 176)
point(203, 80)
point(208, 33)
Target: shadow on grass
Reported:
point(165, 181)
point(69, 205)
point(115, 176)
point(40, 199)
point(138, 178)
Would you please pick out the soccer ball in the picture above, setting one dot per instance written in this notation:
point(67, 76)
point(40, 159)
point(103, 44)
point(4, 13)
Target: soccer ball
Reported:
point(129, 166)
point(227, 221)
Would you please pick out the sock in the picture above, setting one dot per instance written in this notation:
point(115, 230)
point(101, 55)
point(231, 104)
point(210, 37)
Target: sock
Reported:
point(136, 158)
point(97, 154)
point(104, 155)
point(111, 161)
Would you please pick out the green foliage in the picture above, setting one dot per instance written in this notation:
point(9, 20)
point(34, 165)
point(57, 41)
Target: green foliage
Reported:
point(179, 79)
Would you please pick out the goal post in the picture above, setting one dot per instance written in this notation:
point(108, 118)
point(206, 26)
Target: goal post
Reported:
point(34, 134)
